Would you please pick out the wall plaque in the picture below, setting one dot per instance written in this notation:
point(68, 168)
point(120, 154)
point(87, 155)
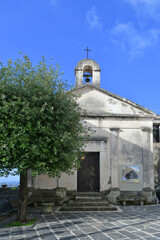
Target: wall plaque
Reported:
point(130, 174)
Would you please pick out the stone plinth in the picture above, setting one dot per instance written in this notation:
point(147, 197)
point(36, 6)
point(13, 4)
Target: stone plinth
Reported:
point(61, 192)
point(47, 208)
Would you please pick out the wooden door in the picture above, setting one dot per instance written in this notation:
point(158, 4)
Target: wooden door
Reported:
point(88, 174)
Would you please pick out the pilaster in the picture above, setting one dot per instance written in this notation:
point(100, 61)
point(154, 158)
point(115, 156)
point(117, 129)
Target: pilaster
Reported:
point(147, 159)
point(114, 137)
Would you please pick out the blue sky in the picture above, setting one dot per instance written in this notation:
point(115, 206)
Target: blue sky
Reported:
point(124, 36)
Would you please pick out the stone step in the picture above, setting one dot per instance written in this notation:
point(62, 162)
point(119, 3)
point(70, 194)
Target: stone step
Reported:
point(101, 203)
point(87, 198)
point(89, 208)
point(85, 194)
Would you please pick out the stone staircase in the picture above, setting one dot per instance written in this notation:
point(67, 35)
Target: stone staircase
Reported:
point(88, 202)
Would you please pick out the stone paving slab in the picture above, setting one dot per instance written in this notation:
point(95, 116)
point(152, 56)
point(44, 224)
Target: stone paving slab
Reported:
point(132, 222)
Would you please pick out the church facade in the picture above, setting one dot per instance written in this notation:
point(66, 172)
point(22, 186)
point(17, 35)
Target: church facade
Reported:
point(119, 153)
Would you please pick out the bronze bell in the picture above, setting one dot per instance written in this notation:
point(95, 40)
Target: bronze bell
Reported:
point(87, 79)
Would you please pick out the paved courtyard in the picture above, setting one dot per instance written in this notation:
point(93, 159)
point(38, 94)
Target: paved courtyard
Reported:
point(131, 222)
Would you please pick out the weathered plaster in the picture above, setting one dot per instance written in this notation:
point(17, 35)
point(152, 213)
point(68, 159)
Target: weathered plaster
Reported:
point(98, 102)
point(122, 135)
point(95, 71)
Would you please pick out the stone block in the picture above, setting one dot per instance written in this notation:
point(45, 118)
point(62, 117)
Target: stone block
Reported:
point(61, 192)
point(113, 195)
point(149, 195)
point(47, 208)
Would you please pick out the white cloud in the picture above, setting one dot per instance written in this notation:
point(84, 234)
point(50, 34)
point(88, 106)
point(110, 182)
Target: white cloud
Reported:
point(132, 42)
point(93, 19)
point(146, 8)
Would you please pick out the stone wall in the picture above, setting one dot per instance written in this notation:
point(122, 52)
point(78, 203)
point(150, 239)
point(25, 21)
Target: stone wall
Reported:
point(156, 156)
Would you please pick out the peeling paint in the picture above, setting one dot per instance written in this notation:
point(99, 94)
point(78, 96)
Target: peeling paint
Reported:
point(112, 101)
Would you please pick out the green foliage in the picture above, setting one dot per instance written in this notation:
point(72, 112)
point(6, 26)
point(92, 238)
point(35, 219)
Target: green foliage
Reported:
point(40, 122)
point(18, 224)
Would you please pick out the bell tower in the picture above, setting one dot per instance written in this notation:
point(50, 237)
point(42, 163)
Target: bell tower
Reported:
point(87, 71)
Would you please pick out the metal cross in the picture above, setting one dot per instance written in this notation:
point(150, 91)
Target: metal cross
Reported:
point(87, 51)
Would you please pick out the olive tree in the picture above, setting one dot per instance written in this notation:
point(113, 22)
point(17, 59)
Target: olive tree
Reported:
point(40, 123)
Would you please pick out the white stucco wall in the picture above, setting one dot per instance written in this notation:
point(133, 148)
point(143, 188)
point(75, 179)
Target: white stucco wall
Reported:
point(98, 102)
point(129, 142)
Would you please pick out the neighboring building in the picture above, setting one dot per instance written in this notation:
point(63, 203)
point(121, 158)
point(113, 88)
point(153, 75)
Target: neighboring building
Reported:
point(120, 152)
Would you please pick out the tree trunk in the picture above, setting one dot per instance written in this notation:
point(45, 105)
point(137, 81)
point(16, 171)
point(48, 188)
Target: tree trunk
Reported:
point(23, 195)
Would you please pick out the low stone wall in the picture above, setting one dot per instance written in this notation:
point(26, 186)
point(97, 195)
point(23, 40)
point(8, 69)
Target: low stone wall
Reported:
point(9, 194)
point(8, 199)
point(147, 195)
point(156, 157)
point(46, 195)
point(41, 193)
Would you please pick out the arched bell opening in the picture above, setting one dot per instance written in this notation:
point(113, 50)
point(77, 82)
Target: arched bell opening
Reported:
point(87, 74)
point(87, 71)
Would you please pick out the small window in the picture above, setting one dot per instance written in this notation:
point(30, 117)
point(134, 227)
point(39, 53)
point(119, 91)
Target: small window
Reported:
point(156, 133)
